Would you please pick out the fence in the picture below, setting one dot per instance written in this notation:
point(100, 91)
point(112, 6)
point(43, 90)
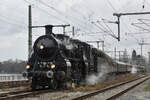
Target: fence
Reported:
point(11, 77)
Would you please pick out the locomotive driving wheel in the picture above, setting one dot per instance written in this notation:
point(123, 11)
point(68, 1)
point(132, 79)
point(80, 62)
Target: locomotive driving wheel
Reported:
point(33, 84)
point(54, 84)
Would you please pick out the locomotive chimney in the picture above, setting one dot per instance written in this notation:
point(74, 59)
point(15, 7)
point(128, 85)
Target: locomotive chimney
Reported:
point(48, 29)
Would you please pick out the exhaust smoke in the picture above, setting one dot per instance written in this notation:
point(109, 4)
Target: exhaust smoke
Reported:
point(94, 79)
point(133, 70)
point(103, 70)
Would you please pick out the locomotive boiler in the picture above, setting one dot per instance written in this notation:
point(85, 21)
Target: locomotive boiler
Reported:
point(58, 60)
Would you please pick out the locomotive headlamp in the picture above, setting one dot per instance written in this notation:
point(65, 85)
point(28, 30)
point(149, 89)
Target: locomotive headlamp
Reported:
point(41, 47)
point(52, 66)
point(28, 67)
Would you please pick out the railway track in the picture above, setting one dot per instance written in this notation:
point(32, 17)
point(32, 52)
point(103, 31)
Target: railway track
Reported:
point(113, 92)
point(22, 94)
point(12, 84)
point(30, 93)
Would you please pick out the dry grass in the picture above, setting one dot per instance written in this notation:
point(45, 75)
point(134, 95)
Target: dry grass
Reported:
point(16, 89)
point(5, 89)
point(59, 97)
point(147, 88)
point(106, 84)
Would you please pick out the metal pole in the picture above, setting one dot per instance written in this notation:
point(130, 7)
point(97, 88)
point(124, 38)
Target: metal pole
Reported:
point(64, 26)
point(136, 13)
point(115, 53)
point(103, 45)
point(119, 55)
point(118, 28)
point(73, 31)
point(121, 14)
point(30, 33)
point(64, 30)
point(148, 57)
point(141, 49)
point(97, 44)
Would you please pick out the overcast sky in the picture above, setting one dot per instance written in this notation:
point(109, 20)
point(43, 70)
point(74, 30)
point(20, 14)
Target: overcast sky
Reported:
point(78, 13)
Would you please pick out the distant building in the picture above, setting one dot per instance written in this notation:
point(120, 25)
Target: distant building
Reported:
point(133, 55)
point(138, 59)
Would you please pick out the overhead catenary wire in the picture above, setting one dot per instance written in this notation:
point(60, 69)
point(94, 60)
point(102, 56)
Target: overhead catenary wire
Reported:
point(12, 19)
point(140, 27)
point(73, 21)
point(55, 17)
point(61, 19)
point(109, 28)
point(84, 4)
point(128, 25)
point(109, 31)
point(70, 18)
point(46, 12)
point(147, 2)
point(99, 27)
point(142, 20)
point(12, 23)
point(102, 25)
point(58, 11)
point(129, 31)
point(81, 14)
point(62, 13)
point(117, 11)
point(111, 5)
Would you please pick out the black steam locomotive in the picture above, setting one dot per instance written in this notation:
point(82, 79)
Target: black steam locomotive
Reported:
point(58, 60)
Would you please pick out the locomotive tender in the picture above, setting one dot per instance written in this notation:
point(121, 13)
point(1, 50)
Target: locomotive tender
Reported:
point(58, 60)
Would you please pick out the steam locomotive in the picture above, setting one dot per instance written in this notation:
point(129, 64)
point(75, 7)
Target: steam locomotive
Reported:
point(58, 60)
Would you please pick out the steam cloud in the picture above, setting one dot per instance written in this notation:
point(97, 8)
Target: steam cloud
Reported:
point(94, 79)
point(100, 77)
point(133, 70)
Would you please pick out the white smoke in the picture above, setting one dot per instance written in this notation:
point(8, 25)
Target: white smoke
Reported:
point(103, 70)
point(94, 79)
point(133, 70)
point(67, 43)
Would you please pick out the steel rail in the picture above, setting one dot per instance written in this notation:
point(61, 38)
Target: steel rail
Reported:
point(126, 90)
point(13, 92)
point(105, 89)
point(11, 84)
point(23, 94)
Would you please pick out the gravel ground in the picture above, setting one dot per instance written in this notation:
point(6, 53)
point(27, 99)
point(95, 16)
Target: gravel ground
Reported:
point(107, 94)
point(46, 96)
point(72, 95)
point(138, 93)
point(7, 90)
point(56, 96)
